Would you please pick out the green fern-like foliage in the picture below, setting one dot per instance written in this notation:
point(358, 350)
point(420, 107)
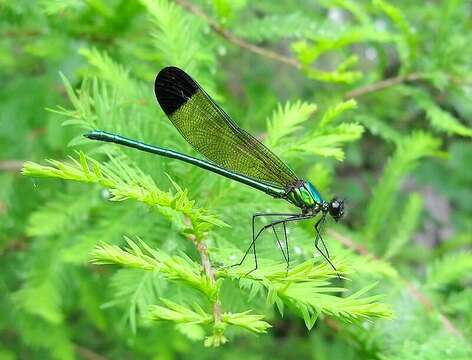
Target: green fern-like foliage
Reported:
point(304, 287)
point(111, 253)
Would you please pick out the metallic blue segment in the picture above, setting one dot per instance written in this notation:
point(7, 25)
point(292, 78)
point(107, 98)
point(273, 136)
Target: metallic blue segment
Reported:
point(314, 193)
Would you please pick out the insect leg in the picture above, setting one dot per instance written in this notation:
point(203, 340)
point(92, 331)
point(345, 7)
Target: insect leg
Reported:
point(280, 244)
point(318, 227)
point(286, 248)
point(288, 217)
point(254, 238)
point(291, 217)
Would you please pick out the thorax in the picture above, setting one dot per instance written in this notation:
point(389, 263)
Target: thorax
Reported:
point(305, 196)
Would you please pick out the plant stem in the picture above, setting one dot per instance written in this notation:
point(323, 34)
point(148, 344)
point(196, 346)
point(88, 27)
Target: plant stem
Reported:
point(273, 55)
point(206, 264)
point(232, 38)
point(88, 354)
point(11, 165)
point(202, 249)
point(383, 84)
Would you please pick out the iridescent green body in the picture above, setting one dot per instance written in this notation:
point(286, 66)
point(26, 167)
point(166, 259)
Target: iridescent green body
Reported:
point(305, 196)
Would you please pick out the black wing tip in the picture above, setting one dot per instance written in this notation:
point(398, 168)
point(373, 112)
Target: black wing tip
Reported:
point(173, 87)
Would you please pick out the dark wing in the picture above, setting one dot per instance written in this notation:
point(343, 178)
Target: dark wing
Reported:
point(212, 132)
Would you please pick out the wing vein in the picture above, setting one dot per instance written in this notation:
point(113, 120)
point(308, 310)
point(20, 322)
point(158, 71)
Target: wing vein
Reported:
point(212, 133)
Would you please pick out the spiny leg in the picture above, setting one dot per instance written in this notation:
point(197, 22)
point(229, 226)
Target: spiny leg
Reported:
point(318, 231)
point(320, 223)
point(296, 217)
point(254, 252)
point(285, 254)
point(280, 244)
point(286, 248)
point(254, 238)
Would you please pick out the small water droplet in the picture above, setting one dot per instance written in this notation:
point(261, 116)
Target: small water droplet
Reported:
point(370, 54)
point(380, 24)
point(105, 194)
point(222, 50)
point(336, 15)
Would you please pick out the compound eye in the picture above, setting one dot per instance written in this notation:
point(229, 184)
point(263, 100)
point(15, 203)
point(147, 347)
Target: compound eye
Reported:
point(336, 208)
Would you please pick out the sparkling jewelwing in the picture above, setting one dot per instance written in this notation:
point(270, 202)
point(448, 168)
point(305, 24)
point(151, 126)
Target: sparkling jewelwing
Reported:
point(233, 153)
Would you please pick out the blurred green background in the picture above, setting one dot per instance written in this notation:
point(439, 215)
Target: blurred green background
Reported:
point(400, 152)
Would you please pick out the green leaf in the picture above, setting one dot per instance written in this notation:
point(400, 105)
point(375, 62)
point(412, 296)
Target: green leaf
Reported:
point(286, 120)
point(407, 43)
point(179, 313)
point(131, 183)
point(385, 194)
point(307, 288)
point(440, 119)
point(407, 224)
point(451, 269)
point(336, 110)
point(327, 142)
point(276, 27)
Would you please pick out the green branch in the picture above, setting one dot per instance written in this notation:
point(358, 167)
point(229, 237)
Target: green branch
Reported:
point(127, 182)
point(306, 287)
